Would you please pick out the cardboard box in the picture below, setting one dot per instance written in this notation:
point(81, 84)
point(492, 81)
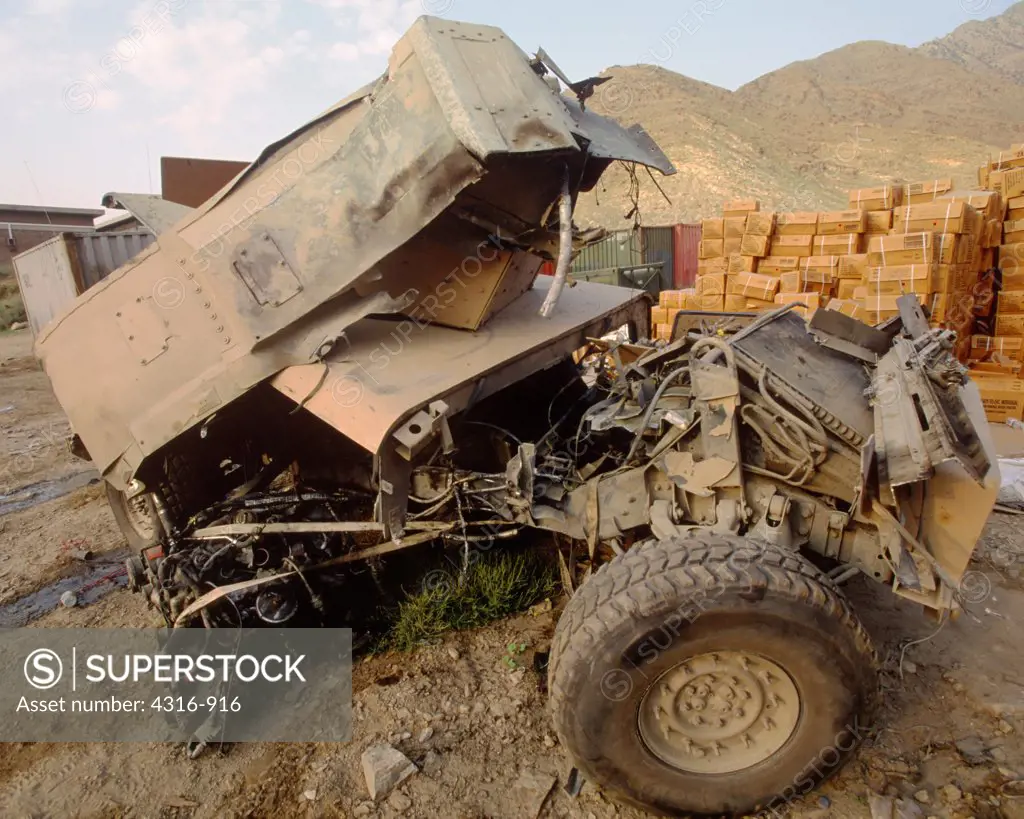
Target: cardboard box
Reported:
point(920, 279)
point(712, 284)
point(754, 244)
point(1011, 347)
point(836, 245)
point(740, 207)
point(743, 304)
point(778, 264)
point(733, 245)
point(917, 193)
point(881, 307)
point(791, 282)
point(714, 302)
point(711, 249)
point(1009, 183)
point(663, 332)
point(1015, 209)
point(742, 264)
point(1013, 158)
point(879, 221)
point(834, 223)
point(885, 197)
point(791, 246)
point(1014, 232)
point(1011, 259)
point(761, 223)
point(691, 301)
point(938, 217)
point(668, 299)
point(1010, 324)
point(955, 277)
point(994, 367)
point(853, 266)
point(988, 203)
point(735, 227)
point(705, 266)
point(712, 228)
point(659, 315)
point(796, 223)
point(992, 236)
point(754, 285)
point(810, 301)
point(1010, 301)
point(952, 248)
point(848, 307)
point(1002, 397)
point(846, 288)
point(900, 249)
point(817, 281)
point(822, 264)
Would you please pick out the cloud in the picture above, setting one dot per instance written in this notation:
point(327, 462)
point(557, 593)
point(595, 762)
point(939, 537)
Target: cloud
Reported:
point(372, 26)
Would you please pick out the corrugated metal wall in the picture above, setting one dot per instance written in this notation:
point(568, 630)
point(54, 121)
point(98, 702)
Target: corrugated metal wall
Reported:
point(46, 278)
point(626, 248)
point(55, 273)
point(100, 254)
point(686, 243)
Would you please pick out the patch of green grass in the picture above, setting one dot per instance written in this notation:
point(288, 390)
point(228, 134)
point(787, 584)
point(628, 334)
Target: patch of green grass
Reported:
point(493, 587)
point(11, 308)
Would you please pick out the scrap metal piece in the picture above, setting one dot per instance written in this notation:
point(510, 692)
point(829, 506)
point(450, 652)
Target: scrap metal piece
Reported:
point(839, 332)
point(153, 212)
point(915, 429)
point(915, 322)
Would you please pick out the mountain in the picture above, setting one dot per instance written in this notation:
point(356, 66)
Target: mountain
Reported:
point(801, 136)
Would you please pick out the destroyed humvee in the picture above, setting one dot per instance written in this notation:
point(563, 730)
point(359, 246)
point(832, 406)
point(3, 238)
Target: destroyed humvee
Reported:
point(346, 360)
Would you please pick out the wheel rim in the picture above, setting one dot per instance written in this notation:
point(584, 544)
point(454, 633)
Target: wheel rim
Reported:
point(719, 713)
point(137, 510)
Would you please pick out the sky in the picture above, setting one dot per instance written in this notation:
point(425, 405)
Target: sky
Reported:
point(95, 91)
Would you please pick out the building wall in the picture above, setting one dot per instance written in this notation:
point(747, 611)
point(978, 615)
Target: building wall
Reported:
point(36, 217)
point(23, 240)
point(27, 238)
point(191, 182)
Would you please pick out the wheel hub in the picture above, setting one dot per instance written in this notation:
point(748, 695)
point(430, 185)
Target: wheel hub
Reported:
point(718, 713)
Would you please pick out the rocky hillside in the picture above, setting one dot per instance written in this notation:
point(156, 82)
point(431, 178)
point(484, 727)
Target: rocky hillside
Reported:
point(800, 136)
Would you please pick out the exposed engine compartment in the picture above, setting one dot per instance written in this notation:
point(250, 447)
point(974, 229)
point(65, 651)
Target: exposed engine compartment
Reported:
point(755, 426)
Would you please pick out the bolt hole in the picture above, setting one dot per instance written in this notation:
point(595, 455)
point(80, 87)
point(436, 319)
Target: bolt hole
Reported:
point(878, 574)
point(415, 429)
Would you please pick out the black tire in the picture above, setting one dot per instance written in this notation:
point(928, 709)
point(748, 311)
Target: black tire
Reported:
point(646, 612)
point(136, 518)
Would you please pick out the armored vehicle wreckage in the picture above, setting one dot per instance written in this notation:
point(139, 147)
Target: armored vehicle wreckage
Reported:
point(346, 363)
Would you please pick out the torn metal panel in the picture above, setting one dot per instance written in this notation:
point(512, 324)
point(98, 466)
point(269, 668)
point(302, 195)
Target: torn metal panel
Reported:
point(153, 212)
point(699, 478)
point(846, 335)
point(387, 370)
point(920, 418)
point(829, 380)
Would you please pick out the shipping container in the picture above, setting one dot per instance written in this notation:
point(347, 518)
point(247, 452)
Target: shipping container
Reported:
point(685, 243)
point(53, 274)
point(624, 249)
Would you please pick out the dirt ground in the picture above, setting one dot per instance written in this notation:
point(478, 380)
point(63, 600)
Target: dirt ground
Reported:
point(949, 741)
